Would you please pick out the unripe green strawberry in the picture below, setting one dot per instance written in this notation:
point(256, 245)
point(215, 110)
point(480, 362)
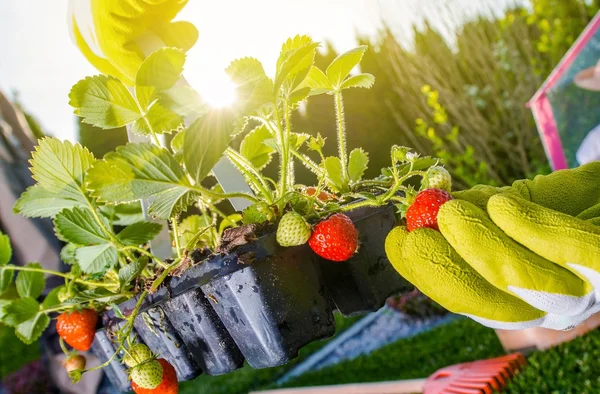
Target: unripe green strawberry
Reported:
point(292, 230)
point(137, 354)
point(74, 362)
point(438, 178)
point(147, 375)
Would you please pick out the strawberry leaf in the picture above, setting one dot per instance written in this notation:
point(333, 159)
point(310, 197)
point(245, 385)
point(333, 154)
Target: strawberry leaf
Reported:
point(205, 142)
point(79, 226)
point(97, 258)
point(161, 69)
point(294, 62)
point(317, 81)
point(254, 88)
point(20, 310)
point(67, 254)
point(139, 233)
point(333, 168)
point(359, 81)
point(59, 168)
point(131, 271)
point(104, 102)
point(157, 120)
point(341, 66)
point(254, 149)
point(357, 164)
point(38, 202)
point(30, 284)
point(31, 329)
point(137, 171)
point(184, 101)
point(5, 250)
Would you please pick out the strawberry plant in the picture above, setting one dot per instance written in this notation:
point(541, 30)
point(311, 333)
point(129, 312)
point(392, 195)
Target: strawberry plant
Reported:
point(96, 204)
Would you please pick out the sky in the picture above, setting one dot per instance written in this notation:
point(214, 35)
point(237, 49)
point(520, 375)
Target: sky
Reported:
point(39, 60)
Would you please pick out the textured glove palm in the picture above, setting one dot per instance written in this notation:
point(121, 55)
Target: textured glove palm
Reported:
point(514, 257)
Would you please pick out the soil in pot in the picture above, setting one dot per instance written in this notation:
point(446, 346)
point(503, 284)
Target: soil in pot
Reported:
point(363, 283)
point(275, 305)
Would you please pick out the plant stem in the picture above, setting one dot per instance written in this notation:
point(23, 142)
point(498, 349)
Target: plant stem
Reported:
point(223, 196)
point(252, 174)
point(288, 134)
point(67, 276)
point(341, 134)
point(165, 273)
point(283, 160)
point(144, 252)
point(175, 225)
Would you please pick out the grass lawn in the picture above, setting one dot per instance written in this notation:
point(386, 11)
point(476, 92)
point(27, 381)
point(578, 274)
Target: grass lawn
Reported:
point(13, 353)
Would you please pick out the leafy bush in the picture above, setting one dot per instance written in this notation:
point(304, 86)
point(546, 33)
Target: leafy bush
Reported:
point(15, 353)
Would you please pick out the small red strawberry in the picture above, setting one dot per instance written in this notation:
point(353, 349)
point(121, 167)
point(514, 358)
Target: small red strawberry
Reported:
point(77, 328)
point(424, 210)
point(168, 384)
point(335, 238)
point(74, 362)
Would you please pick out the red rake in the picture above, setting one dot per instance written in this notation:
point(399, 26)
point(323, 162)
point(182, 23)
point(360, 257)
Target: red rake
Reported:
point(478, 377)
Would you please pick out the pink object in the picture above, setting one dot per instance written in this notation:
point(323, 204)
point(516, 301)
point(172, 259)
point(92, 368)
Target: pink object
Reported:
point(540, 104)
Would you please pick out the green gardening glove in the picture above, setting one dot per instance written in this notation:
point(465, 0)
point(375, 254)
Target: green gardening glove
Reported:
point(115, 35)
point(514, 257)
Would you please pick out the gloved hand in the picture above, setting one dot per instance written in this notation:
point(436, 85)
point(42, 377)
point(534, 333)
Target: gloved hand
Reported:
point(514, 257)
point(110, 32)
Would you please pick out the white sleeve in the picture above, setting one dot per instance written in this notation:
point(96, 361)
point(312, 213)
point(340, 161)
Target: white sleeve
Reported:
point(589, 150)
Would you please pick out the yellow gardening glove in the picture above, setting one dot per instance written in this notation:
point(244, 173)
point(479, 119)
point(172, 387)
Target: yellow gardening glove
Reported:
point(515, 257)
point(113, 34)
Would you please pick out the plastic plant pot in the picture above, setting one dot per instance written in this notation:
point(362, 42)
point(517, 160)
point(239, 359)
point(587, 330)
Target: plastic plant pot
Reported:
point(363, 283)
point(116, 372)
point(203, 333)
point(275, 305)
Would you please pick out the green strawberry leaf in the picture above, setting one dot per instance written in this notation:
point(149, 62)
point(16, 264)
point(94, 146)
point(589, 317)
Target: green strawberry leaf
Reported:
point(20, 310)
point(357, 164)
point(341, 66)
point(294, 62)
point(67, 254)
point(30, 284)
point(5, 256)
point(97, 258)
point(183, 100)
point(157, 120)
point(104, 102)
point(205, 142)
point(5, 249)
point(197, 230)
point(254, 88)
point(30, 330)
point(139, 233)
point(257, 213)
point(123, 214)
point(298, 95)
point(131, 271)
point(51, 299)
point(317, 81)
point(254, 149)
point(161, 69)
point(359, 81)
point(59, 168)
point(37, 202)
point(177, 141)
point(137, 171)
point(79, 226)
point(333, 168)
point(100, 295)
point(298, 139)
point(316, 143)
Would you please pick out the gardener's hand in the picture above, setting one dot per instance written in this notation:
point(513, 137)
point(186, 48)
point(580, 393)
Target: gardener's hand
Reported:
point(513, 257)
point(121, 29)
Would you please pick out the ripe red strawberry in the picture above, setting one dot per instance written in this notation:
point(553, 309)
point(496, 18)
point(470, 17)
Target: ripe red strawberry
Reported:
point(77, 328)
point(168, 385)
point(424, 210)
point(74, 362)
point(335, 238)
